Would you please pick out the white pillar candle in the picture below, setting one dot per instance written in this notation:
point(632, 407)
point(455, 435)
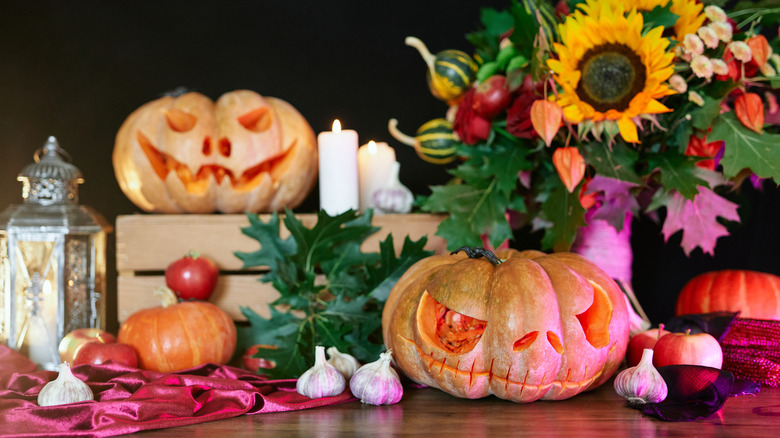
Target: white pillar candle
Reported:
point(338, 170)
point(375, 162)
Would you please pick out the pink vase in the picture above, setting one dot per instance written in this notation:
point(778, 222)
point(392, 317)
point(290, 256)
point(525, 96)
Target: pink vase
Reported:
point(610, 250)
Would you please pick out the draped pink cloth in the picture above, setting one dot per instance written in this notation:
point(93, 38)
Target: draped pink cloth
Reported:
point(129, 400)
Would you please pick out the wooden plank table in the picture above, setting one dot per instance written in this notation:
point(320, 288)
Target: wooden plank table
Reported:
point(430, 412)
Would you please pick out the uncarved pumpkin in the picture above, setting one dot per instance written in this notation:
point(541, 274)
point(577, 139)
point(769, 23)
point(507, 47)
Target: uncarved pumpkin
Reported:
point(534, 326)
point(188, 154)
point(177, 336)
point(755, 295)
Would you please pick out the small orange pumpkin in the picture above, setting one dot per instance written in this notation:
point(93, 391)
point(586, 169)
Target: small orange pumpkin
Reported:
point(177, 336)
point(188, 154)
point(754, 295)
point(527, 327)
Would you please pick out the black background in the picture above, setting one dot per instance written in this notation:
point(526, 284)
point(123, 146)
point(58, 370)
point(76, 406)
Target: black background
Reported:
point(76, 69)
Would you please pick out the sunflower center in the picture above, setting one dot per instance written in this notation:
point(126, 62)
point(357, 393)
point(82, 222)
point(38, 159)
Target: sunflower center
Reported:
point(612, 74)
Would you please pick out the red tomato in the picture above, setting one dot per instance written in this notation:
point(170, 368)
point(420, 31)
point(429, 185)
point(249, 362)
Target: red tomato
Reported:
point(192, 277)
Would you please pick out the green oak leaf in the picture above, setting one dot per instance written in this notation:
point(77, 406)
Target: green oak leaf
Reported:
point(565, 212)
point(345, 310)
point(746, 149)
point(617, 162)
point(677, 172)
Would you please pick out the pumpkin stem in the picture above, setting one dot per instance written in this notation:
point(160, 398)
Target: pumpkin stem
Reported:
point(392, 126)
point(166, 296)
point(429, 58)
point(477, 252)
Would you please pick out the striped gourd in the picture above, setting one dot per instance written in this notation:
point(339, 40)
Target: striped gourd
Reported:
point(450, 72)
point(434, 143)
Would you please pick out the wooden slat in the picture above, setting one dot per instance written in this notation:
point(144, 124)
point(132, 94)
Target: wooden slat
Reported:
point(232, 291)
point(146, 242)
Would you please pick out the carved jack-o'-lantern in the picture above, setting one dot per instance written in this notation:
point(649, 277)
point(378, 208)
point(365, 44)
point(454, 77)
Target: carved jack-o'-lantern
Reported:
point(188, 154)
point(531, 326)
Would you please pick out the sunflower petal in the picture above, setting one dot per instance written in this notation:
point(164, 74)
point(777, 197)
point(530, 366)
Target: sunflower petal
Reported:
point(628, 130)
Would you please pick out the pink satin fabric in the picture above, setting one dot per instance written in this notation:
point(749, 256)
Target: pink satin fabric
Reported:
point(129, 400)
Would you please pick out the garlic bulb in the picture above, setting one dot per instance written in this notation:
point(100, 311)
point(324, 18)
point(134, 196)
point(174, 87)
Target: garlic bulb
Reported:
point(643, 383)
point(66, 388)
point(343, 362)
point(321, 380)
point(377, 383)
point(394, 197)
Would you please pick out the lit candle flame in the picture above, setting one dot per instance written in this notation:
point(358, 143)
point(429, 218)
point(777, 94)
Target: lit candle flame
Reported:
point(336, 126)
point(372, 147)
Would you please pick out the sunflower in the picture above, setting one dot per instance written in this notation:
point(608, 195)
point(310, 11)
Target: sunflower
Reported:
point(690, 12)
point(608, 70)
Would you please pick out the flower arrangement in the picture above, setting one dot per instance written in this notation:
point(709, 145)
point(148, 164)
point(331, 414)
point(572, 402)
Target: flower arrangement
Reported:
point(602, 110)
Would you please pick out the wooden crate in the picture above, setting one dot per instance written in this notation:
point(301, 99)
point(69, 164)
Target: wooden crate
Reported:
point(147, 244)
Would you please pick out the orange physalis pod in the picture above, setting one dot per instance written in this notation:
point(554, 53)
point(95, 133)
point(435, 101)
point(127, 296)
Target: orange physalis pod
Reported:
point(750, 111)
point(760, 48)
point(546, 118)
point(570, 166)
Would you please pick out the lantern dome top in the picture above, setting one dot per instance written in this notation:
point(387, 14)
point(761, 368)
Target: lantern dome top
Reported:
point(51, 179)
point(51, 162)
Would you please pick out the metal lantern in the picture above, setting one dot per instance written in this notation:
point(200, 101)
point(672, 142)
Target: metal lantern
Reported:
point(52, 260)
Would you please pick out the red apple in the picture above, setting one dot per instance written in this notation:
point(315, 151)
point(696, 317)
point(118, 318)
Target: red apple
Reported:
point(688, 349)
point(491, 97)
point(192, 277)
point(95, 353)
point(640, 341)
point(74, 340)
point(256, 363)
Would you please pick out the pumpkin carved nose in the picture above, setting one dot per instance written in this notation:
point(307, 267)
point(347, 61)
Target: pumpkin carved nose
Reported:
point(527, 340)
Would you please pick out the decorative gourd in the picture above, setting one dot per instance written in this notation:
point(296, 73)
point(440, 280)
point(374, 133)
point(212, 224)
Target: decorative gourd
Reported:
point(450, 72)
point(186, 154)
point(754, 295)
point(176, 336)
point(435, 142)
point(531, 326)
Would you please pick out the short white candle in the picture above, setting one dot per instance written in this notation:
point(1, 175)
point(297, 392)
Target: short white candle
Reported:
point(375, 161)
point(338, 170)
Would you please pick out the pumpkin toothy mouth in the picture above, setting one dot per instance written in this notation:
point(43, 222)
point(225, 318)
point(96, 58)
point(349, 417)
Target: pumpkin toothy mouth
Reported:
point(474, 376)
point(163, 164)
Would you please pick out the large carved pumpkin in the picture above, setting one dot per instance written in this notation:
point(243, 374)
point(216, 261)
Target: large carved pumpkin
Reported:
point(533, 326)
point(753, 294)
point(188, 154)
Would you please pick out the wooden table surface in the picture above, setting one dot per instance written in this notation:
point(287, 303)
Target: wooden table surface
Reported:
point(430, 412)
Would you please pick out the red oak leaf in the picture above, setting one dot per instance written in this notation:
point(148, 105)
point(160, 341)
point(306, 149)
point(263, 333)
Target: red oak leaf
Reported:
point(698, 219)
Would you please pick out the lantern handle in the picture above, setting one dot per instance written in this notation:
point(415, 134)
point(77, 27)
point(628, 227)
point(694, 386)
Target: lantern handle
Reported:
point(52, 147)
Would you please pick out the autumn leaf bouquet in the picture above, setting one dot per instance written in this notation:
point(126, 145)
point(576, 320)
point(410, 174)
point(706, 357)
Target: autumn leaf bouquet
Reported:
point(576, 113)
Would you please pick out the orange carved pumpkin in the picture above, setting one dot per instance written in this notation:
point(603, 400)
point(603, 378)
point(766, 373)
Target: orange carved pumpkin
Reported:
point(176, 336)
point(188, 154)
point(533, 326)
point(755, 295)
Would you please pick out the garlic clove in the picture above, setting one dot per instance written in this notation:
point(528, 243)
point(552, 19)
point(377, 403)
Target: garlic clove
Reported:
point(394, 197)
point(377, 383)
point(66, 388)
point(643, 383)
point(345, 363)
point(322, 379)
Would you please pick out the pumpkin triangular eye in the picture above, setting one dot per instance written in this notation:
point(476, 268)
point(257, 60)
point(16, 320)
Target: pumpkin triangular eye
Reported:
point(257, 120)
point(596, 319)
point(447, 329)
point(180, 121)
